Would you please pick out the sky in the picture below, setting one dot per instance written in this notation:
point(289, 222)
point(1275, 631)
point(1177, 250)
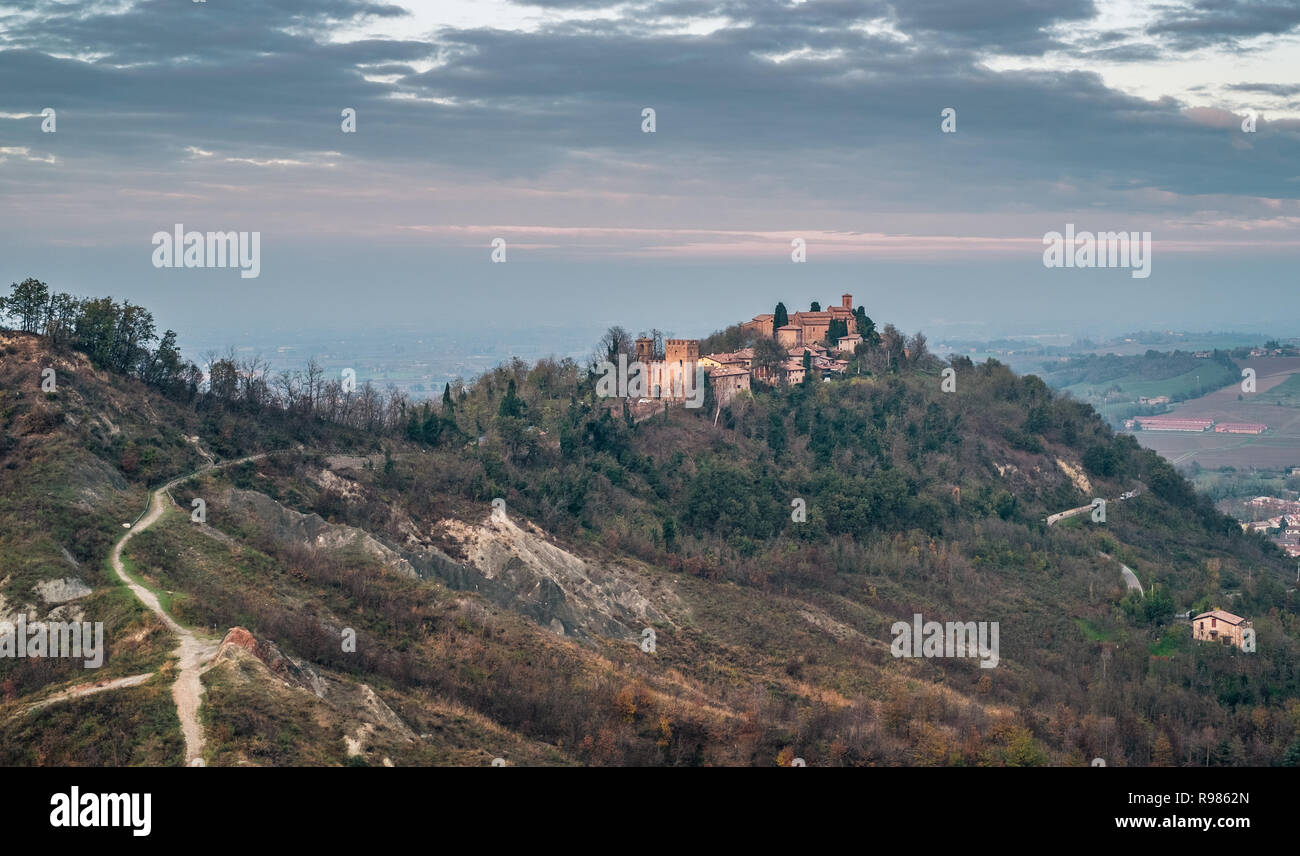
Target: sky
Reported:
point(774, 121)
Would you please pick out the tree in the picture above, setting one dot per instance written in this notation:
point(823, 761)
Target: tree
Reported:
point(838, 328)
point(413, 424)
point(776, 439)
point(769, 359)
point(815, 307)
point(163, 367)
point(97, 321)
point(1163, 753)
point(447, 419)
point(61, 318)
point(131, 337)
point(223, 379)
point(431, 428)
point(615, 341)
point(866, 327)
point(779, 318)
point(917, 349)
point(1292, 757)
point(893, 342)
point(511, 404)
point(27, 303)
point(1100, 460)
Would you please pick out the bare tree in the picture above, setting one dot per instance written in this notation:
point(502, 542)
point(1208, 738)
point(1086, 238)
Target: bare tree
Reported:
point(615, 341)
point(917, 351)
point(254, 388)
point(893, 343)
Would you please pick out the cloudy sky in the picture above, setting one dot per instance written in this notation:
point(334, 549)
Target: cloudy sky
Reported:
point(775, 120)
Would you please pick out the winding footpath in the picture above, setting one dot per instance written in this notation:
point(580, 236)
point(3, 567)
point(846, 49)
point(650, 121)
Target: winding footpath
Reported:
point(194, 652)
point(83, 690)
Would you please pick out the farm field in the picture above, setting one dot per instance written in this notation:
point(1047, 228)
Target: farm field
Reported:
point(1184, 384)
point(1275, 402)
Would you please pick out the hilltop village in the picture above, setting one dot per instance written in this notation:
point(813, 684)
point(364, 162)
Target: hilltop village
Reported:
point(784, 349)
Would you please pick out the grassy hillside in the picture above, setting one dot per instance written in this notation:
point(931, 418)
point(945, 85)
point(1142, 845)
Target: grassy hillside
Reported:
point(522, 637)
point(1116, 384)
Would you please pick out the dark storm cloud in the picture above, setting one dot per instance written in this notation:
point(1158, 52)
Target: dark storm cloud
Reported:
point(252, 76)
point(1209, 22)
point(158, 31)
point(1009, 26)
point(864, 116)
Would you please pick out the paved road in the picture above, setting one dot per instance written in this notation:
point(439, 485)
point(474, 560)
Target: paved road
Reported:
point(1130, 578)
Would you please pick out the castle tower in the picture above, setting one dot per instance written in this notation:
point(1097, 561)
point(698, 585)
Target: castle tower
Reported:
point(682, 350)
point(645, 351)
point(846, 300)
point(680, 357)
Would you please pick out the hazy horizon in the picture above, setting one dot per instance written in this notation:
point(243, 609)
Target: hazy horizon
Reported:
point(819, 121)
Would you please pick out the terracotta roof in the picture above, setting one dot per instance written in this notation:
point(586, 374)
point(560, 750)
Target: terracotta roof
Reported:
point(1222, 616)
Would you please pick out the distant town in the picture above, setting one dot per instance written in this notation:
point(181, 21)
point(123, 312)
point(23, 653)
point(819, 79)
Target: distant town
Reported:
point(1283, 526)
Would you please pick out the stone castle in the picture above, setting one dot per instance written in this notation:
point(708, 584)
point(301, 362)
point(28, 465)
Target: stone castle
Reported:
point(730, 373)
point(806, 327)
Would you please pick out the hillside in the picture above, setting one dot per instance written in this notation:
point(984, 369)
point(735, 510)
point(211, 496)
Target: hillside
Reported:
point(1122, 386)
point(518, 630)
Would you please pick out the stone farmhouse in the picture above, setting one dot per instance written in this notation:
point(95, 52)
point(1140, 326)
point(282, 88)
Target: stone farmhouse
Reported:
point(1219, 626)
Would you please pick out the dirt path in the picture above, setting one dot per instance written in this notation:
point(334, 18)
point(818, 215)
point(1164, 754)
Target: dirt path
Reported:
point(194, 651)
point(83, 690)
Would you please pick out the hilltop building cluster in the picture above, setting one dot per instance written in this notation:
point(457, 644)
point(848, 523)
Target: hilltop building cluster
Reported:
point(731, 373)
point(809, 328)
point(1283, 529)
